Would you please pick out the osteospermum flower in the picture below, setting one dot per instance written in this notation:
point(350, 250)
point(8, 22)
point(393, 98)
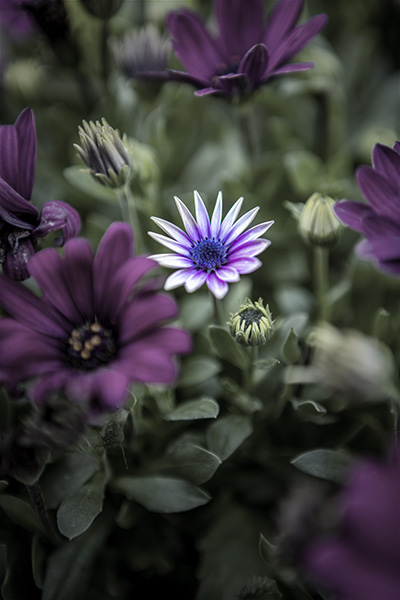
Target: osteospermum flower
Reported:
point(95, 329)
point(379, 220)
point(21, 224)
point(210, 251)
point(246, 53)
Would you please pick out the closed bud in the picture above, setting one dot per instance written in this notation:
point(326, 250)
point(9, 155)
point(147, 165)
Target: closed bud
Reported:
point(252, 325)
point(318, 222)
point(105, 154)
point(103, 9)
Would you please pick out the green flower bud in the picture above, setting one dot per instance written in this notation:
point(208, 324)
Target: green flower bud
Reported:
point(103, 9)
point(106, 156)
point(252, 325)
point(318, 222)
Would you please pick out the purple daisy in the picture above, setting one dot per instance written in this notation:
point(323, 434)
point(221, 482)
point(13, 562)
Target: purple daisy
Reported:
point(210, 251)
point(246, 53)
point(21, 224)
point(15, 19)
point(379, 220)
point(363, 560)
point(96, 328)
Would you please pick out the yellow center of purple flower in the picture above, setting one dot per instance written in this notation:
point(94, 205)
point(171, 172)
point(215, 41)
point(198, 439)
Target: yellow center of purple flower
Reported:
point(208, 254)
point(90, 346)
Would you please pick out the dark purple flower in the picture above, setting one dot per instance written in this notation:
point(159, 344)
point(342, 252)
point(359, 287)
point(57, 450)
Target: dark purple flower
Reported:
point(379, 220)
point(21, 224)
point(95, 329)
point(363, 561)
point(246, 53)
point(15, 20)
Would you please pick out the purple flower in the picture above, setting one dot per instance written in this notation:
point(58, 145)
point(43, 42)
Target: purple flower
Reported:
point(246, 53)
point(16, 20)
point(209, 251)
point(21, 224)
point(96, 328)
point(379, 220)
point(363, 560)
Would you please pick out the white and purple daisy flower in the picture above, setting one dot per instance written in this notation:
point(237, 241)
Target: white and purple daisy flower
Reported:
point(211, 251)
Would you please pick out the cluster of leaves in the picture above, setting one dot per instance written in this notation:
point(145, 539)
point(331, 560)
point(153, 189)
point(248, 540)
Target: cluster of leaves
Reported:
point(180, 491)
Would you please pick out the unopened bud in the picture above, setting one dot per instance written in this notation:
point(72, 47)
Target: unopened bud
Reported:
point(318, 222)
point(252, 325)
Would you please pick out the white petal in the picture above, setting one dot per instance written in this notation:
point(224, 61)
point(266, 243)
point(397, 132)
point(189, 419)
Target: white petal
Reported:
point(230, 218)
point(246, 264)
point(174, 261)
point(172, 230)
point(241, 225)
point(252, 234)
point(202, 217)
point(195, 281)
point(188, 220)
point(228, 274)
point(216, 286)
point(216, 216)
point(168, 243)
point(176, 279)
point(250, 249)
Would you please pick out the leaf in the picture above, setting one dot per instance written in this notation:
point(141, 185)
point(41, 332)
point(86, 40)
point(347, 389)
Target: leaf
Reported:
point(198, 369)
point(196, 311)
point(39, 556)
point(291, 350)
point(203, 408)
point(266, 364)
point(69, 567)
point(83, 181)
point(193, 461)
point(227, 434)
point(325, 464)
point(78, 511)
point(21, 513)
point(266, 549)
point(162, 494)
point(303, 168)
point(227, 348)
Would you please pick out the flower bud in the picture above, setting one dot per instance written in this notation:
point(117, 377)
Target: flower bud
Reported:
point(318, 222)
point(252, 325)
point(103, 9)
point(104, 153)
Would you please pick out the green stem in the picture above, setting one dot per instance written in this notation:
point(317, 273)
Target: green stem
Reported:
point(249, 372)
point(247, 130)
point(321, 270)
point(219, 313)
point(130, 215)
point(35, 494)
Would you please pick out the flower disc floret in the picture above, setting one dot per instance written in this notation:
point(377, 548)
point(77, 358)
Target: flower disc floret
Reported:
point(210, 251)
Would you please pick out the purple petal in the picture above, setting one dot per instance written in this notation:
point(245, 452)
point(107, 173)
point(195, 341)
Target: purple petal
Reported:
point(254, 63)
point(245, 264)
point(387, 161)
point(292, 68)
point(169, 339)
point(26, 133)
point(241, 225)
point(183, 77)
point(240, 26)
point(230, 219)
point(296, 40)
point(193, 44)
point(375, 226)
point(252, 234)
point(28, 309)
point(396, 147)
point(57, 215)
point(15, 265)
point(188, 220)
point(125, 279)
point(144, 313)
point(148, 365)
point(203, 220)
point(176, 279)
point(103, 389)
point(173, 261)
point(14, 209)
point(228, 273)
point(9, 167)
point(352, 213)
point(78, 273)
point(384, 248)
point(172, 230)
point(216, 216)
point(216, 286)
point(195, 280)
point(171, 244)
point(250, 249)
point(282, 18)
point(209, 91)
point(381, 194)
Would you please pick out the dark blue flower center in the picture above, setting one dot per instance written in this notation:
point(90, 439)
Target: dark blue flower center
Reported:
point(208, 254)
point(250, 316)
point(229, 68)
point(90, 346)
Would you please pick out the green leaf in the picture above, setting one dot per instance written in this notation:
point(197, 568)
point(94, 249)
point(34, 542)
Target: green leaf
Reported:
point(21, 513)
point(196, 311)
point(266, 549)
point(303, 168)
point(193, 461)
point(227, 434)
point(203, 408)
point(39, 556)
point(83, 181)
point(260, 588)
point(266, 364)
point(227, 348)
point(291, 350)
point(78, 511)
point(198, 369)
point(332, 465)
point(162, 494)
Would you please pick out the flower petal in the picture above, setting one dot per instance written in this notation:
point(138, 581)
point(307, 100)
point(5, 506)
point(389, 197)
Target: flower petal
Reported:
point(188, 220)
point(228, 273)
point(176, 279)
point(254, 63)
point(14, 209)
point(241, 225)
point(230, 219)
point(252, 234)
point(169, 339)
point(297, 39)
point(380, 193)
point(26, 133)
point(245, 264)
point(149, 365)
point(203, 220)
point(250, 249)
point(292, 68)
point(142, 314)
point(195, 280)
point(387, 161)
point(193, 44)
point(168, 243)
point(216, 217)
point(173, 261)
point(240, 26)
point(173, 231)
point(282, 19)
point(216, 286)
point(78, 273)
point(352, 213)
point(58, 215)
point(15, 265)
point(125, 279)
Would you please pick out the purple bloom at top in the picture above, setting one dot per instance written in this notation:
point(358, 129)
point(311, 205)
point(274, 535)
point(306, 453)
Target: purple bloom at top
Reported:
point(247, 52)
point(379, 220)
point(210, 251)
point(97, 327)
point(363, 560)
point(15, 19)
point(21, 224)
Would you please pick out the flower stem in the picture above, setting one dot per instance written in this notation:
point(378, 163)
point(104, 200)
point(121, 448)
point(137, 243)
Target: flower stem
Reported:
point(249, 372)
point(35, 494)
point(321, 270)
point(219, 313)
point(130, 215)
point(247, 130)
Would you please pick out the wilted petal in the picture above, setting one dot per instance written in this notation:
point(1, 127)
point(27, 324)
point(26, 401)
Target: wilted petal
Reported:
point(57, 215)
point(14, 209)
point(15, 265)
